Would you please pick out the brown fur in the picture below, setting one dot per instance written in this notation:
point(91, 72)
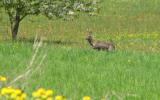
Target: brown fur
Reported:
point(99, 45)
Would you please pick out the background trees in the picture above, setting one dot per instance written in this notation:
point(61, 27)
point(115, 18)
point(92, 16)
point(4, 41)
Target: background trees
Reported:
point(17, 10)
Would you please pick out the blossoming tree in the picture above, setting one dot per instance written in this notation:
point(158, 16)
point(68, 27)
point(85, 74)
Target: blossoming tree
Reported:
point(17, 10)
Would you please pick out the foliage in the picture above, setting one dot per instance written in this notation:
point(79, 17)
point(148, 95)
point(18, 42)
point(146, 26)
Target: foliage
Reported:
point(50, 8)
point(19, 9)
point(63, 8)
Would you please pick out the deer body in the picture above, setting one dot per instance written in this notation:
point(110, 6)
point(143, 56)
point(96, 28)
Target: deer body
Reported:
point(100, 45)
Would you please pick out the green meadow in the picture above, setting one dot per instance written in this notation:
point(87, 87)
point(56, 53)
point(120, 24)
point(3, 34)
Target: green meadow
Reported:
point(65, 62)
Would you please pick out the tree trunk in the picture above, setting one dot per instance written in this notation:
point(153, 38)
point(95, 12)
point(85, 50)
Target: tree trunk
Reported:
point(15, 27)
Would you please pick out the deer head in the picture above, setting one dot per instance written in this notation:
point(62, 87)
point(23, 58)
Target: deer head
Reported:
point(89, 35)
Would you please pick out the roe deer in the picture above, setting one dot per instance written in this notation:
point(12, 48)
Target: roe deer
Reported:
point(99, 45)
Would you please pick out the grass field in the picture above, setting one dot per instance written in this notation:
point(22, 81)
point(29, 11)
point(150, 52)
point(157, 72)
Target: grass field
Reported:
point(71, 68)
point(75, 72)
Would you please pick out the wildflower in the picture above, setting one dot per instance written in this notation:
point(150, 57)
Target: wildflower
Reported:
point(43, 94)
point(19, 98)
point(6, 90)
point(12, 93)
point(3, 79)
point(50, 98)
point(17, 91)
point(59, 97)
point(36, 94)
point(49, 92)
point(86, 98)
point(41, 90)
point(24, 95)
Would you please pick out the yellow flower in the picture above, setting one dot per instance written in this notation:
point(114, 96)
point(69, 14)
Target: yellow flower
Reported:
point(3, 79)
point(44, 96)
point(7, 90)
point(59, 97)
point(13, 95)
point(19, 98)
point(49, 92)
point(41, 90)
point(17, 91)
point(86, 98)
point(50, 98)
point(36, 94)
point(24, 95)
point(41, 93)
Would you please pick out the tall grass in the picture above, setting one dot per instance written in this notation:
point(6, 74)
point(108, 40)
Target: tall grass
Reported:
point(75, 72)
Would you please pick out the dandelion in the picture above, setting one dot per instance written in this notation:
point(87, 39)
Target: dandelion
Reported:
point(6, 90)
point(49, 92)
point(24, 95)
point(50, 98)
point(18, 91)
point(41, 91)
point(43, 94)
point(86, 98)
point(59, 97)
point(35, 94)
point(12, 93)
point(3, 79)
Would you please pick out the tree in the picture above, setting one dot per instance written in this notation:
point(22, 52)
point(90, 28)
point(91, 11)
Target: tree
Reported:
point(17, 10)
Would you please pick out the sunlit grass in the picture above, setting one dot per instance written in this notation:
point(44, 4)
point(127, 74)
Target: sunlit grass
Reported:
point(76, 72)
